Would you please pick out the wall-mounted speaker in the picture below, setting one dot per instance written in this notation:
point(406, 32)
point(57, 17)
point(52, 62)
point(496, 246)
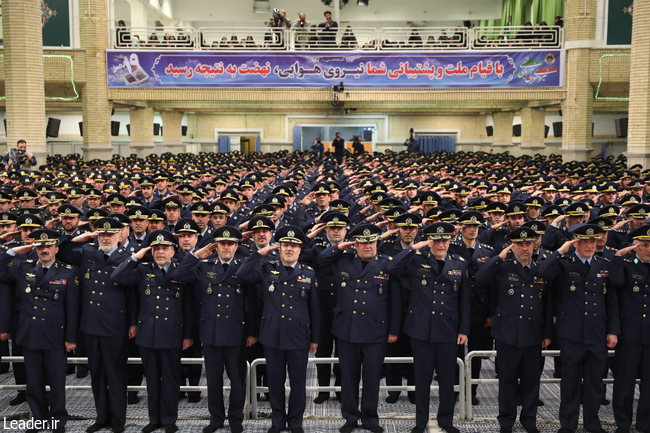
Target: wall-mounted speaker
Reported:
point(5, 122)
point(81, 129)
point(489, 130)
point(183, 131)
point(53, 126)
point(557, 129)
point(115, 128)
point(621, 127)
point(156, 129)
point(128, 129)
point(516, 130)
point(546, 129)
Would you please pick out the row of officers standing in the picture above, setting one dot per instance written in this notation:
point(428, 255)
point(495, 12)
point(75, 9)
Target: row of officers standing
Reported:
point(299, 294)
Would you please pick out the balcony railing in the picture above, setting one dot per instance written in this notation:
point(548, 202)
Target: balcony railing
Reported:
point(340, 39)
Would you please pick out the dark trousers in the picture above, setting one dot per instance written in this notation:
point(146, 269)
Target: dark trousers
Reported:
point(79, 352)
point(107, 361)
point(427, 357)
point(192, 372)
point(4, 351)
point(134, 372)
point(475, 341)
point(394, 372)
point(324, 350)
point(518, 363)
point(20, 374)
point(351, 357)
point(632, 360)
point(233, 359)
point(46, 367)
point(277, 363)
point(163, 370)
point(581, 362)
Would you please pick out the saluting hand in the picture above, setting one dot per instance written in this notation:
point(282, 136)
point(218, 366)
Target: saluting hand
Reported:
point(267, 249)
point(567, 245)
point(206, 251)
point(23, 249)
point(558, 220)
point(85, 237)
point(504, 253)
point(627, 250)
point(422, 244)
point(345, 245)
point(140, 254)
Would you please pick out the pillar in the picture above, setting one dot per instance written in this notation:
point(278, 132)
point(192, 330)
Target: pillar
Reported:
point(96, 107)
point(502, 136)
point(532, 130)
point(578, 107)
point(638, 129)
point(139, 19)
point(142, 131)
point(172, 133)
point(24, 75)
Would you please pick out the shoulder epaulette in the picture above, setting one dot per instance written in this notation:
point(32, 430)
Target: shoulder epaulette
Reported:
point(68, 266)
point(628, 261)
point(205, 260)
point(461, 259)
point(389, 241)
point(489, 247)
point(455, 243)
point(603, 258)
point(29, 261)
point(384, 256)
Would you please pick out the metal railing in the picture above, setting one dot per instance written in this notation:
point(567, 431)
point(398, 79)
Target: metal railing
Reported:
point(424, 38)
point(84, 360)
point(242, 38)
point(255, 389)
point(155, 38)
point(469, 381)
point(523, 37)
point(339, 39)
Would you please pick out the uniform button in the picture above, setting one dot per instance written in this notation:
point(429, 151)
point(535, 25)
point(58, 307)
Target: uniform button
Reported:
point(355, 301)
point(433, 312)
point(93, 292)
point(157, 297)
point(586, 314)
point(283, 294)
point(218, 305)
point(165, 318)
point(91, 302)
point(33, 318)
point(363, 303)
point(218, 315)
point(283, 304)
point(156, 317)
point(356, 290)
point(442, 293)
point(442, 303)
point(586, 303)
point(100, 293)
point(354, 312)
point(522, 295)
point(157, 307)
point(97, 305)
point(434, 302)
point(35, 307)
point(291, 308)
point(285, 283)
point(282, 316)
point(358, 281)
point(521, 317)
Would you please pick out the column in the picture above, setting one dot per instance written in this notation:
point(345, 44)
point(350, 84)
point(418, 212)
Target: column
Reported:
point(24, 75)
point(139, 20)
point(96, 107)
point(142, 131)
point(532, 130)
point(502, 136)
point(638, 129)
point(578, 107)
point(172, 133)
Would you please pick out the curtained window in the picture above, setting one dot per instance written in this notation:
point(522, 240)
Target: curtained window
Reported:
point(436, 143)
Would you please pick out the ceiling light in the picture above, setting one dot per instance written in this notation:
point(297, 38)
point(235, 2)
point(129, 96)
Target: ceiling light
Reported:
point(327, 2)
point(363, 3)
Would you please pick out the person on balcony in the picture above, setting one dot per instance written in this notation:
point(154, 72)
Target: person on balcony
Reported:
point(329, 28)
point(415, 41)
point(123, 35)
point(349, 40)
point(303, 35)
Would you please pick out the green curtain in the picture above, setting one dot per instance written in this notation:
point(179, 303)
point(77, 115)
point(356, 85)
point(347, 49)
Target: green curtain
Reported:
point(547, 10)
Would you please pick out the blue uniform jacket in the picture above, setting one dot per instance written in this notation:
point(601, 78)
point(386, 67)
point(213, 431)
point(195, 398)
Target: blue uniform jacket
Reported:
point(633, 294)
point(368, 307)
point(104, 303)
point(290, 313)
point(440, 299)
point(523, 315)
point(228, 310)
point(49, 303)
point(585, 304)
point(164, 307)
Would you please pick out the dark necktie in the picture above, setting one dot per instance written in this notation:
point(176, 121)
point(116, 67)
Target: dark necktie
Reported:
point(105, 257)
point(441, 265)
point(471, 251)
point(363, 263)
point(164, 272)
point(45, 270)
point(198, 241)
point(587, 265)
point(225, 267)
point(289, 269)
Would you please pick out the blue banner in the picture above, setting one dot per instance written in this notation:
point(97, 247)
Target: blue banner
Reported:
point(377, 69)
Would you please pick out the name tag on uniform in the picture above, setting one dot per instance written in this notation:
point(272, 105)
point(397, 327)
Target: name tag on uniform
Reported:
point(637, 277)
point(30, 277)
point(345, 274)
point(574, 274)
point(150, 277)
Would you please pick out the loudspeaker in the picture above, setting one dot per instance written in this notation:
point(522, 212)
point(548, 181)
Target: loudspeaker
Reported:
point(592, 129)
point(161, 131)
point(467, 24)
point(112, 111)
point(52, 127)
point(128, 129)
point(489, 130)
point(156, 129)
point(5, 122)
point(546, 129)
point(516, 130)
point(559, 112)
point(183, 131)
point(367, 135)
point(81, 129)
point(557, 129)
point(115, 128)
point(621, 127)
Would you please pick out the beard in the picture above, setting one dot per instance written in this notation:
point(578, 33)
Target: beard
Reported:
point(108, 248)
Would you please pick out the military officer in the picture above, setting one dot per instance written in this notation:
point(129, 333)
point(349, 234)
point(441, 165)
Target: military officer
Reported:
point(557, 234)
point(290, 322)
point(139, 216)
point(476, 254)
point(522, 326)
point(49, 292)
point(201, 214)
point(366, 318)
point(437, 320)
point(105, 322)
point(228, 314)
point(633, 348)
point(164, 310)
point(587, 323)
